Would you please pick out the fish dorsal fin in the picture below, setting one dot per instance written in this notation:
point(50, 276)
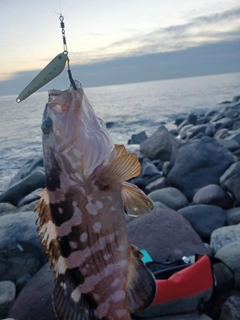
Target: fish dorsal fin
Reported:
point(141, 284)
point(120, 169)
point(134, 200)
point(120, 149)
point(47, 229)
point(68, 301)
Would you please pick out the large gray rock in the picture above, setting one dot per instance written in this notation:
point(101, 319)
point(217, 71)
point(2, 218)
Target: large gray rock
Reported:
point(166, 235)
point(204, 219)
point(199, 163)
point(35, 300)
point(35, 180)
point(225, 235)
point(213, 194)
point(171, 197)
point(159, 146)
point(230, 254)
point(20, 249)
point(7, 296)
point(230, 180)
point(7, 207)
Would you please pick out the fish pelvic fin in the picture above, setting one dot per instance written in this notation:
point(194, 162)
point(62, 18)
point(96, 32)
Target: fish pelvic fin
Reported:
point(135, 201)
point(69, 303)
point(122, 168)
point(141, 285)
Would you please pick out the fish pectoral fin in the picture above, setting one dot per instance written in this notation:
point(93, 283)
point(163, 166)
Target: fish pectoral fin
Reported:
point(120, 169)
point(68, 302)
point(134, 200)
point(141, 284)
point(120, 149)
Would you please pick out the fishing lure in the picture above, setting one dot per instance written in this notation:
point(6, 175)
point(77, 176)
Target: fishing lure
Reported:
point(51, 71)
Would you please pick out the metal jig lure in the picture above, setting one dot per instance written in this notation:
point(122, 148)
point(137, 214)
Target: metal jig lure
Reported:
point(51, 71)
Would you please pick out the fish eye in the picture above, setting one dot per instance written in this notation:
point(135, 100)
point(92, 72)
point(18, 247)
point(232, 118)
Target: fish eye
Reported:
point(46, 125)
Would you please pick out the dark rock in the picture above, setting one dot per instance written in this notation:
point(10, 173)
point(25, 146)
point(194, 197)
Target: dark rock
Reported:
point(233, 215)
point(15, 261)
point(110, 124)
point(230, 180)
point(231, 309)
point(7, 296)
point(7, 207)
point(202, 120)
point(22, 281)
point(35, 300)
point(174, 132)
point(217, 116)
point(29, 198)
point(197, 165)
point(232, 113)
point(148, 174)
point(225, 123)
point(234, 136)
point(236, 98)
point(225, 235)
point(28, 207)
point(210, 129)
point(153, 232)
point(236, 125)
point(184, 132)
point(159, 146)
point(201, 128)
point(166, 168)
point(35, 180)
point(157, 184)
point(221, 134)
point(171, 197)
point(229, 254)
point(210, 113)
point(26, 170)
point(138, 138)
point(231, 145)
point(20, 249)
point(213, 194)
point(179, 120)
point(191, 119)
point(204, 219)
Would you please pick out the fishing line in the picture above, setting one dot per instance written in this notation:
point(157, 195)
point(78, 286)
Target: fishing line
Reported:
point(65, 51)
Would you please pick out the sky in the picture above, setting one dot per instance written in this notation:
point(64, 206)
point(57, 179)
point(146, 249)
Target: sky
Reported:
point(121, 41)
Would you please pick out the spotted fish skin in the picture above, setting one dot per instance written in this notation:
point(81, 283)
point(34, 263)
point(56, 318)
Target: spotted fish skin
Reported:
point(98, 274)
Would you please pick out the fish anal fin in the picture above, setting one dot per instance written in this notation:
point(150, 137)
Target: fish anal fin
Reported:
point(134, 200)
point(120, 169)
point(120, 149)
point(141, 285)
point(69, 303)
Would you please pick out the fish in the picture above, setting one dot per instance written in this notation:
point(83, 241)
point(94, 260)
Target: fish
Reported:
point(98, 273)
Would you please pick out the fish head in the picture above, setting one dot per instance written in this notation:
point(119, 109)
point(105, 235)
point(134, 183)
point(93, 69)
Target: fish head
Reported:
point(73, 135)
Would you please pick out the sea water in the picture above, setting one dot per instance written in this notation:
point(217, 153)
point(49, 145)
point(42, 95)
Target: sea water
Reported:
point(132, 108)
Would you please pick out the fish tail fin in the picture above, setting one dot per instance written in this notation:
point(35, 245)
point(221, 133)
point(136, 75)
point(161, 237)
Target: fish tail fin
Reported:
point(141, 284)
point(69, 303)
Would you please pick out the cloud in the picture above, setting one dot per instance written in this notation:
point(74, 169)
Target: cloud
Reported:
point(199, 30)
point(207, 59)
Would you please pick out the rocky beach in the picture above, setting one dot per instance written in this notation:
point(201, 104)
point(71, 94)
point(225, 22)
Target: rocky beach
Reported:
point(191, 173)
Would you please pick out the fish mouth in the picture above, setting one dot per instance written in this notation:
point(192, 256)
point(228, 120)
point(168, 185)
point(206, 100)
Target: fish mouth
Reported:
point(66, 109)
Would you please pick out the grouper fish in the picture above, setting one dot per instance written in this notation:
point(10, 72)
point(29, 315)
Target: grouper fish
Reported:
point(98, 273)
